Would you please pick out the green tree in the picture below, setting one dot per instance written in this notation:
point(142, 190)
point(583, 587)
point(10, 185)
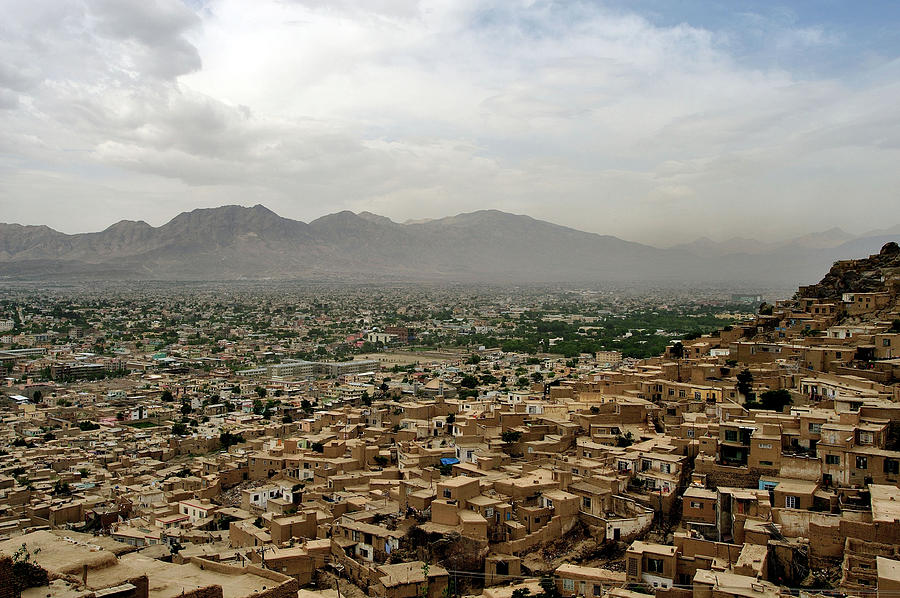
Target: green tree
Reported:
point(166, 396)
point(511, 436)
point(745, 383)
point(61, 488)
point(469, 381)
point(548, 585)
point(227, 439)
point(771, 400)
point(625, 440)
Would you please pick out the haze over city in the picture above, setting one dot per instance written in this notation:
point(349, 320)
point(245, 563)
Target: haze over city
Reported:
point(652, 121)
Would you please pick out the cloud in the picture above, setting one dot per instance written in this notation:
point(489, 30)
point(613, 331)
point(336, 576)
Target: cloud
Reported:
point(589, 117)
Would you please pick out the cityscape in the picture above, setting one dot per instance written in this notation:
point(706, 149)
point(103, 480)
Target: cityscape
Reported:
point(430, 299)
point(438, 440)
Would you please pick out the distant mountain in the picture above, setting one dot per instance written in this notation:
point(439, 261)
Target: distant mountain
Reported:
point(828, 239)
point(234, 242)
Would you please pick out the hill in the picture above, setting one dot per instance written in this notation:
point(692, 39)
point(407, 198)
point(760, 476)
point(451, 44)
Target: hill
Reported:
point(235, 243)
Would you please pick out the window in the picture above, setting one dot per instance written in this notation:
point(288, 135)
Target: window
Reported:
point(697, 395)
point(690, 433)
point(569, 585)
point(696, 505)
point(654, 565)
point(891, 466)
point(764, 445)
point(586, 502)
point(815, 428)
point(489, 512)
point(446, 492)
point(865, 438)
point(832, 459)
point(862, 463)
point(790, 502)
point(665, 467)
point(632, 567)
point(730, 435)
point(886, 342)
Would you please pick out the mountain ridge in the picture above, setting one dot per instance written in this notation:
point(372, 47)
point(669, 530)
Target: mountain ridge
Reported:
point(235, 242)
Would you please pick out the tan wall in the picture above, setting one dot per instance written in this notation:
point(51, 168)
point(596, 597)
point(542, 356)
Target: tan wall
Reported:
point(705, 514)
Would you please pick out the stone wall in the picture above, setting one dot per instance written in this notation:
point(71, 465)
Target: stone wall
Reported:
point(555, 528)
point(723, 475)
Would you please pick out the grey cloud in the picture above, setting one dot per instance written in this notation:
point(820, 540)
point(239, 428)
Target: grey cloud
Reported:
point(156, 27)
point(419, 109)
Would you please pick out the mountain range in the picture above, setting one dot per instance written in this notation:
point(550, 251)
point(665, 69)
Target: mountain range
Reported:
point(238, 243)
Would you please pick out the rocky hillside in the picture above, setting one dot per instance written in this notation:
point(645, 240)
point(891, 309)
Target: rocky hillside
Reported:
point(874, 274)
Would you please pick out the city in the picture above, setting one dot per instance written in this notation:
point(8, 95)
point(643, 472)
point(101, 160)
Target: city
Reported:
point(449, 299)
point(217, 439)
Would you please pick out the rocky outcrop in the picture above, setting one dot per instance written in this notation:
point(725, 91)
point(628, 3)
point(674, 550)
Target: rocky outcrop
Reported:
point(874, 274)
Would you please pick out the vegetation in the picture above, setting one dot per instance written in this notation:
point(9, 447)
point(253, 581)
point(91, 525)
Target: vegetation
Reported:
point(511, 436)
point(744, 384)
point(227, 439)
point(61, 488)
point(624, 441)
point(26, 573)
point(771, 400)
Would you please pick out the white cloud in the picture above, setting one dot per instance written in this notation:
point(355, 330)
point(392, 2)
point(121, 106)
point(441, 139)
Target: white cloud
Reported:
point(564, 111)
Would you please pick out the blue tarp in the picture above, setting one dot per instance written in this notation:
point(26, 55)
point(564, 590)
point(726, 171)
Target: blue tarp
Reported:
point(450, 461)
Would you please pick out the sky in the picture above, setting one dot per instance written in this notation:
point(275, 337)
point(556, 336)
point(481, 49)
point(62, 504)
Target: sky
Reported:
point(656, 121)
